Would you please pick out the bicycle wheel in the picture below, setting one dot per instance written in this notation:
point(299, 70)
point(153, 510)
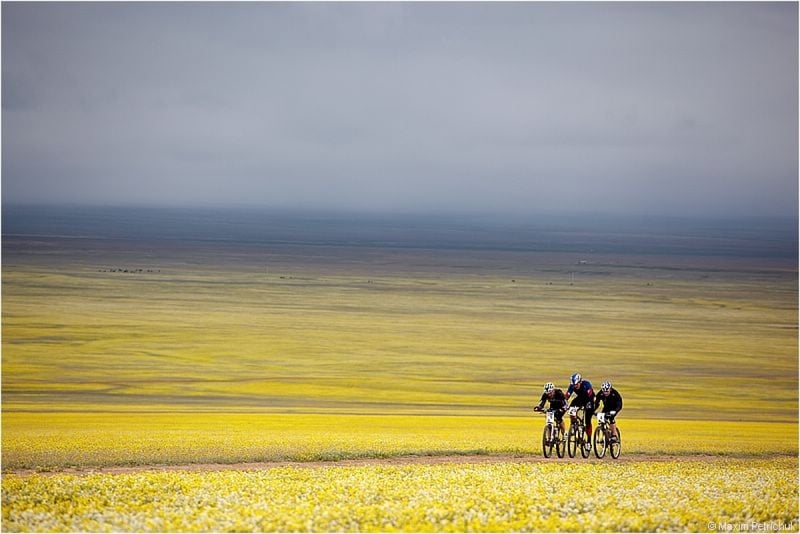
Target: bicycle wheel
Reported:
point(584, 440)
point(572, 445)
point(547, 442)
point(561, 447)
point(616, 446)
point(600, 444)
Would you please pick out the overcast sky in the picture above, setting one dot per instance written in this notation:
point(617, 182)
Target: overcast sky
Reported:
point(677, 108)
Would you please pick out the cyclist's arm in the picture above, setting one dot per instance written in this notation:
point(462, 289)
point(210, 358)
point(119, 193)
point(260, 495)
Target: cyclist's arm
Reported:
point(597, 401)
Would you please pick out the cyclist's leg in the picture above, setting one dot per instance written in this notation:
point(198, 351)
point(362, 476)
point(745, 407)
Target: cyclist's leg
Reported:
point(560, 421)
point(588, 419)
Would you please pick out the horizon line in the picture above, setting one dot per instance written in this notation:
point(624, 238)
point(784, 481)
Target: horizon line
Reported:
point(398, 212)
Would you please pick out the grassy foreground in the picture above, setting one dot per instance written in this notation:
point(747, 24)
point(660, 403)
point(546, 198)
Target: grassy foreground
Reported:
point(53, 441)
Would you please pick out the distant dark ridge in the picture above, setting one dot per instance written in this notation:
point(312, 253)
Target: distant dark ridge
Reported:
point(746, 237)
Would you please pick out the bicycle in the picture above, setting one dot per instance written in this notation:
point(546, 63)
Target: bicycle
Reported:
point(576, 437)
point(552, 436)
point(604, 439)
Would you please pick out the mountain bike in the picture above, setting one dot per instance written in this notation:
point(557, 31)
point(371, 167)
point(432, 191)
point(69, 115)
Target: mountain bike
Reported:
point(552, 436)
point(576, 437)
point(604, 439)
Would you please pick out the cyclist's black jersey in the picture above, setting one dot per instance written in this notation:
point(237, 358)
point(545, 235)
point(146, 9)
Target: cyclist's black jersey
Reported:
point(558, 402)
point(612, 403)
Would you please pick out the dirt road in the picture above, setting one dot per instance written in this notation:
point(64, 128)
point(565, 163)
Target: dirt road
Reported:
point(401, 460)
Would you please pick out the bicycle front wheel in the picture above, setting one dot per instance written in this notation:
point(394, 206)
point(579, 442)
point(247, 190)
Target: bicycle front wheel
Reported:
point(583, 441)
point(547, 441)
point(599, 442)
point(572, 443)
point(561, 447)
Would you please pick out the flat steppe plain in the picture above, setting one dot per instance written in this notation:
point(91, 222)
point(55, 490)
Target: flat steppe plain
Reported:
point(377, 330)
point(169, 385)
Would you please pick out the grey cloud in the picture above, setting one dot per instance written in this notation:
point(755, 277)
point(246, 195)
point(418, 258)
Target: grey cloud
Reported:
point(674, 108)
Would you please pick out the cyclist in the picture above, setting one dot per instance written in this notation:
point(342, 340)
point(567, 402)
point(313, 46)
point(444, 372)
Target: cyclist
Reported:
point(584, 398)
point(612, 405)
point(558, 403)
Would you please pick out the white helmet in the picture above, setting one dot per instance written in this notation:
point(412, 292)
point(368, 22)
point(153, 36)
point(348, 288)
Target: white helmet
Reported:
point(606, 387)
point(549, 387)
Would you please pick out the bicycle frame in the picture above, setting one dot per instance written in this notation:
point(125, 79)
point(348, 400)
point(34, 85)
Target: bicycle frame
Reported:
point(576, 415)
point(577, 438)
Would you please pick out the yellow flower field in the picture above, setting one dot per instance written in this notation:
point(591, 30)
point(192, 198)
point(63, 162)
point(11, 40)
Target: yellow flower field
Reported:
point(58, 440)
point(604, 496)
point(205, 336)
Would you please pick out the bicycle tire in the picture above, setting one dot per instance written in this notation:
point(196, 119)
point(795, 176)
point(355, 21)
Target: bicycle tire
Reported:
point(600, 444)
point(584, 451)
point(547, 442)
point(616, 448)
point(561, 446)
point(571, 443)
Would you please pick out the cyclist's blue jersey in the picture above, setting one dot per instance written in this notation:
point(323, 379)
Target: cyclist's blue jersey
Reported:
point(586, 392)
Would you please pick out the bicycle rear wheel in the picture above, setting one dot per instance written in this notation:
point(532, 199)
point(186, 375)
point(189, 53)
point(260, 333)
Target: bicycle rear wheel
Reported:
point(599, 442)
point(547, 441)
point(616, 446)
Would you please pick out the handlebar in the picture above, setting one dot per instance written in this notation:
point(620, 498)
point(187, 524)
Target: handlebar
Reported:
point(612, 413)
point(565, 410)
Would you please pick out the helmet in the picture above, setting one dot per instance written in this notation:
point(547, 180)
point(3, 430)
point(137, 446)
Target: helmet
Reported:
point(576, 378)
point(549, 387)
point(606, 387)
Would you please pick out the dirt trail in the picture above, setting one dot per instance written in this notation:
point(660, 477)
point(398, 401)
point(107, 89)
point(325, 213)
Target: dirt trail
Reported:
point(401, 460)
